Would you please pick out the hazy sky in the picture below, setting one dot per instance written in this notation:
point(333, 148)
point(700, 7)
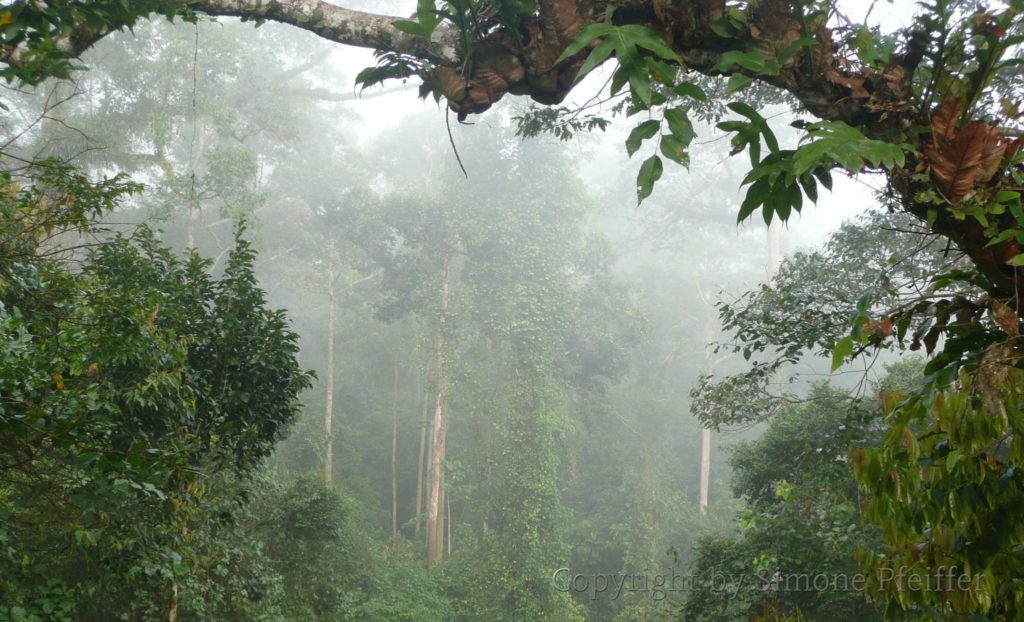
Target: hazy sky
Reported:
point(851, 196)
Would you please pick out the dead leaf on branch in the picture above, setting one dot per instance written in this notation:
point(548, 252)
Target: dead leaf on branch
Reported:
point(1006, 318)
point(961, 157)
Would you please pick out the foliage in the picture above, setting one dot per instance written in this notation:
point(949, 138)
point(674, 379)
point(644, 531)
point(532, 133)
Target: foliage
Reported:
point(801, 520)
point(39, 27)
point(130, 377)
point(806, 309)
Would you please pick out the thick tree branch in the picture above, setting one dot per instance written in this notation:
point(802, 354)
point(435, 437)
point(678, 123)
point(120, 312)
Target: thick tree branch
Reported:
point(326, 20)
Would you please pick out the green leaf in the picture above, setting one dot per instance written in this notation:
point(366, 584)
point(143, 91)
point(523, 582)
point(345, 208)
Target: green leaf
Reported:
point(790, 50)
point(1018, 260)
point(1004, 236)
point(641, 133)
point(410, 27)
point(725, 27)
point(756, 195)
point(751, 61)
point(737, 82)
point(843, 349)
point(762, 124)
point(584, 38)
point(640, 82)
point(650, 172)
point(687, 89)
point(597, 56)
point(644, 37)
point(679, 124)
point(675, 149)
point(810, 187)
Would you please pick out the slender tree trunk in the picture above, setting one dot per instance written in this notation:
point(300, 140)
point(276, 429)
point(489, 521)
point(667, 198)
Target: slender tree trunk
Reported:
point(329, 407)
point(440, 430)
point(705, 469)
point(774, 247)
point(448, 520)
point(705, 439)
point(394, 455)
point(172, 608)
point(439, 525)
point(709, 368)
point(419, 463)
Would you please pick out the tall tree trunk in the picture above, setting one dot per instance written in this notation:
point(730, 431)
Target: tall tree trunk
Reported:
point(709, 368)
point(172, 607)
point(448, 519)
point(705, 469)
point(329, 407)
point(394, 455)
point(419, 463)
point(439, 525)
point(440, 429)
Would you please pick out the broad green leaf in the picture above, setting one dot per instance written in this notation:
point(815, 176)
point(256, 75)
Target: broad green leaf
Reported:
point(687, 89)
point(756, 195)
point(598, 55)
point(644, 37)
point(650, 172)
point(843, 349)
point(675, 149)
point(583, 39)
point(737, 82)
point(641, 133)
point(679, 124)
point(751, 61)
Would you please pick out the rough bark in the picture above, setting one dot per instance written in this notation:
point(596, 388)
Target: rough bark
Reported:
point(326, 20)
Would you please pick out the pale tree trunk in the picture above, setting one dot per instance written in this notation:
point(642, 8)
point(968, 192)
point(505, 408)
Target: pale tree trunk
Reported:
point(710, 328)
point(419, 463)
point(776, 251)
point(394, 455)
point(329, 398)
point(172, 608)
point(439, 525)
point(709, 368)
point(437, 449)
point(705, 447)
point(448, 519)
point(776, 248)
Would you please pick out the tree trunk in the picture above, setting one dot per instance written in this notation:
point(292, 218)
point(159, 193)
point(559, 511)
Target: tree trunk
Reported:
point(419, 463)
point(439, 525)
point(448, 520)
point(439, 432)
point(172, 607)
point(394, 455)
point(329, 407)
point(705, 469)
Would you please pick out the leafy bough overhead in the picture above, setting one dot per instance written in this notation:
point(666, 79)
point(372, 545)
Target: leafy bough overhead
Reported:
point(882, 102)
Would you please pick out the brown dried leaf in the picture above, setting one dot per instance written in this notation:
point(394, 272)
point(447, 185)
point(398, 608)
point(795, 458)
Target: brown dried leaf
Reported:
point(854, 83)
point(944, 119)
point(961, 157)
point(1006, 318)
